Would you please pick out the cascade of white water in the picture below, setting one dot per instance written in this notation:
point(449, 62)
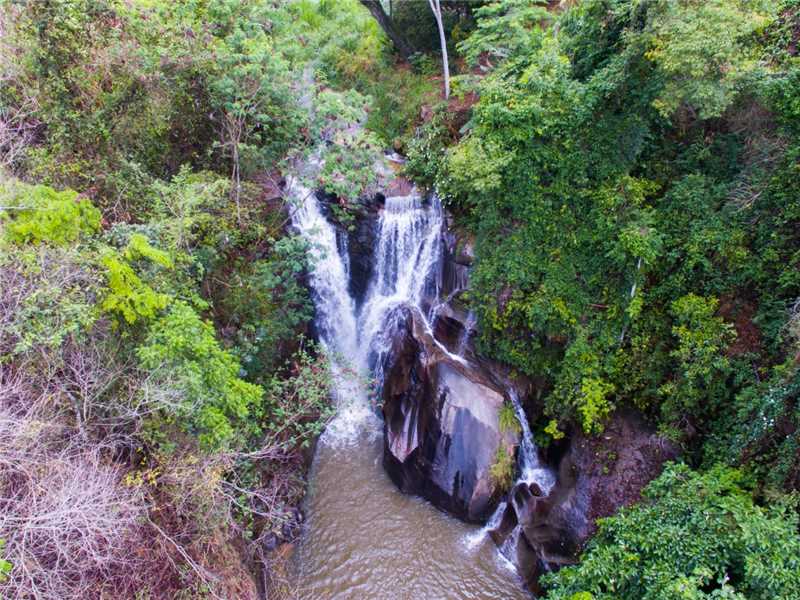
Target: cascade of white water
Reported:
point(469, 326)
point(408, 249)
point(531, 471)
point(407, 252)
point(531, 468)
point(336, 320)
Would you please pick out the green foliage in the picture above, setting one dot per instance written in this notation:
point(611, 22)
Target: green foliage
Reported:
point(505, 29)
point(211, 402)
point(507, 419)
point(297, 407)
point(553, 431)
point(350, 154)
point(269, 303)
point(693, 536)
point(194, 214)
point(39, 214)
point(251, 84)
point(139, 248)
point(761, 429)
point(628, 206)
point(502, 470)
point(5, 566)
point(128, 296)
point(703, 50)
point(701, 365)
point(426, 156)
point(354, 55)
point(57, 290)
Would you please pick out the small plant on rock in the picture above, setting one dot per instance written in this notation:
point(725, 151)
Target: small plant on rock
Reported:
point(502, 471)
point(507, 419)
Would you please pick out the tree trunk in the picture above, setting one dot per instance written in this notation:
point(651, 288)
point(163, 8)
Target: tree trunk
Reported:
point(400, 43)
point(436, 7)
point(234, 131)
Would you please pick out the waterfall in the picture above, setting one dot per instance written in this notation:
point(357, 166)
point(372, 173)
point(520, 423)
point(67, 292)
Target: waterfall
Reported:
point(407, 251)
point(406, 270)
point(336, 318)
point(469, 327)
point(531, 468)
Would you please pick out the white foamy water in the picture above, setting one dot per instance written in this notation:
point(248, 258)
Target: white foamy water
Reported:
point(531, 471)
point(531, 468)
point(407, 252)
point(364, 538)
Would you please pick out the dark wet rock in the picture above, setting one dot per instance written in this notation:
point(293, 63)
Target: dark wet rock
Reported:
point(358, 238)
point(441, 421)
point(361, 239)
point(455, 277)
point(596, 477)
point(451, 325)
point(458, 257)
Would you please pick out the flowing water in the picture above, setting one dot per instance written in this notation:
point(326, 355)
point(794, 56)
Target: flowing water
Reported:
point(365, 540)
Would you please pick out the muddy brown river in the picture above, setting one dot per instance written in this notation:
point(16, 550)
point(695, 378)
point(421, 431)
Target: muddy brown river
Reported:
point(367, 541)
point(363, 539)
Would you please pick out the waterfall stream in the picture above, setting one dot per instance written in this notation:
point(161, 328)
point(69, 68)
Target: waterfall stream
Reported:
point(364, 539)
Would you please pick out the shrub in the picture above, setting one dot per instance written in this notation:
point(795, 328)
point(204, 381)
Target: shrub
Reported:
point(502, 470)
point(507, 419)
point(203, 393)
point(40, 214)
point(69, 524)
point(692, 536)
point(128, 296)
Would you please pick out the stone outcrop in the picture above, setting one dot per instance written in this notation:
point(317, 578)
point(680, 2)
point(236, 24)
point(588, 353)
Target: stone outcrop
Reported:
point(441, 429)
point(596, 477)
point(441, 424)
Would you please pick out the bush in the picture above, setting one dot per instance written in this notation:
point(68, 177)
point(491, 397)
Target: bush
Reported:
point(502, 470)
point(69, 523)
point(203, 393)
point(40, 214)
point(692, 536)
point(507, 419)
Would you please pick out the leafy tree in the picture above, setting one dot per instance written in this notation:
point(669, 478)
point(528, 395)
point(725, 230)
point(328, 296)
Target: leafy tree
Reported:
point(617, 184)
point(504, 30)
point(692, 536)
point(252, 90)
point(210, 400)
point(702, 364)
point(269, 303)
point(703, 49)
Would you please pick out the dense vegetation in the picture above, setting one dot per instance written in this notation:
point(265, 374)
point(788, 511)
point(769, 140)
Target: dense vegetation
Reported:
point(628, 169)
point(630, 174)
point(157, 388)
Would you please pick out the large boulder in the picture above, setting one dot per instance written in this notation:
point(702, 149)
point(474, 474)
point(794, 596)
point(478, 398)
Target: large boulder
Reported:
point(442, 433)
point(597, 475)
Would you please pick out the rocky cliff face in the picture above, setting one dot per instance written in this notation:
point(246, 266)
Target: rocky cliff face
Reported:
point(442, 431)
point(596, 476)
point(441, 404)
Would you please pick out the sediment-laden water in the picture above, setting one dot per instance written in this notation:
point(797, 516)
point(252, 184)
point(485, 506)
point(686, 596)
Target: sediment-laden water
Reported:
point(364, 540)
